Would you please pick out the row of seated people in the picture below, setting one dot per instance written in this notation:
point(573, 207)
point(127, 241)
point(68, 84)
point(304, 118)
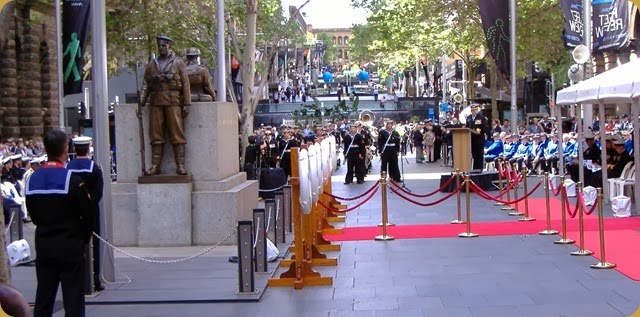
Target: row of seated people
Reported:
point(16, 169)
point(531, 150)
point(541, 150)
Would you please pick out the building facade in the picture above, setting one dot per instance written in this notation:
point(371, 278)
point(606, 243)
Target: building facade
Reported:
point(340, 38)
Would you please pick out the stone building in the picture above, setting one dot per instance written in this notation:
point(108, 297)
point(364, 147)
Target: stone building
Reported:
point(28, 67)
point(340, 38)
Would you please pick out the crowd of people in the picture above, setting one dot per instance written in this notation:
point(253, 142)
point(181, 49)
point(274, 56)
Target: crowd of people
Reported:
point(537, 147)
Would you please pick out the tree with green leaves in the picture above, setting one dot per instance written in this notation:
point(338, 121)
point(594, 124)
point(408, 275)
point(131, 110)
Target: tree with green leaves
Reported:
point(331, 50)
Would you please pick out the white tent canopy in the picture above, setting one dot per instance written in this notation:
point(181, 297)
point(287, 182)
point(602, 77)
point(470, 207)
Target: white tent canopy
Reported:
point(620, 85)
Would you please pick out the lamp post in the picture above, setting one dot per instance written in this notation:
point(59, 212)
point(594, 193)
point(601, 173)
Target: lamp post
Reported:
point(581, 55)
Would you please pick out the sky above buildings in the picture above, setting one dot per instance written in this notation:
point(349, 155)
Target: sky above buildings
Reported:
point(330, 13)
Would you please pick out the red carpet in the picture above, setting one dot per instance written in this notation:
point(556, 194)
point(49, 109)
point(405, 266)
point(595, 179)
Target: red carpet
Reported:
point(622, 241)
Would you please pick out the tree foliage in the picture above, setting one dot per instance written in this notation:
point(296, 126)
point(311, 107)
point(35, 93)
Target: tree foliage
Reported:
point(331, 50)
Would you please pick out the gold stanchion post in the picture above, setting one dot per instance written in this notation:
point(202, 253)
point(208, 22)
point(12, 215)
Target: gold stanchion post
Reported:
point(468, 233)
point(385, 220)
point(526, 199)
point(603, 264)
point(582, 251)
point(459, 220)
point(500, 186)
point(564, 239)
point(515, 211)
point(548, 231)
point(507, 206)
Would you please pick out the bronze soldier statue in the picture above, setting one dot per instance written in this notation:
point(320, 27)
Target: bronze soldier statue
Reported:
point(199, 78)
point(166, 88)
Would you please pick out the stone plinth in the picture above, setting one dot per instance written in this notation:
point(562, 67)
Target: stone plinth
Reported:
point(218, 195)
point(165, 214)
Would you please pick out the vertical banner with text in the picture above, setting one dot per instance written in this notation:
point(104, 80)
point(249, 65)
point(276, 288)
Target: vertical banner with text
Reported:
point(610, 25)
point(573, 24)
point(75, 27)
point(495, 23)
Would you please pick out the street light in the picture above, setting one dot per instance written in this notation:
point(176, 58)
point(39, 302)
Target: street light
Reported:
point(581, 54)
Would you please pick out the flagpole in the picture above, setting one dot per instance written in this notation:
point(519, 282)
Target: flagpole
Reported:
point(514, 83)
point(101, 144)
point(222, 88)
point(58, 9)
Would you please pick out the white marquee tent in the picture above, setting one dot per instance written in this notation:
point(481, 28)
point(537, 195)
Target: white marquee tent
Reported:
point(620, 85)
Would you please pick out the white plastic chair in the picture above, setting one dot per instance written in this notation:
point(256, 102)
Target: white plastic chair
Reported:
point(621, 184)
point(612, 181)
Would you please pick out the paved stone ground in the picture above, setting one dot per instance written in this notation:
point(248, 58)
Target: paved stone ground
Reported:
point(486, 276)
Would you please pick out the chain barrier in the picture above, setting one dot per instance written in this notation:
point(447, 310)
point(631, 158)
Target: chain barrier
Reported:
point(426, 204)
point(352, 208)
point(445, 185)
point(485, 195)
point(13, 213)
point(356, 197)
point(271, 190)
point(165, 261)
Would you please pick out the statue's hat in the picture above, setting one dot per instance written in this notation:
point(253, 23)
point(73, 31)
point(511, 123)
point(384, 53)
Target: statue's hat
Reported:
point(192, 51)
point(164, 37)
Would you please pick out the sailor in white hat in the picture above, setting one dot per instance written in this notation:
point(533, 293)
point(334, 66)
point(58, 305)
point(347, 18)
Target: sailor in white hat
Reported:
point(91, 173)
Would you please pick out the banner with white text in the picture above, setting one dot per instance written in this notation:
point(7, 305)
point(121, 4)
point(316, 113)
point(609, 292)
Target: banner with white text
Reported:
point(573, 25)
point(610, 25)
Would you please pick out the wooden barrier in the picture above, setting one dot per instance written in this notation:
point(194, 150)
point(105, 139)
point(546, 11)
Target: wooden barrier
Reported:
point(300, 272)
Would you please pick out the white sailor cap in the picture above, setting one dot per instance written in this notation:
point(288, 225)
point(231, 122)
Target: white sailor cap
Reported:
point(35, 160)
point(82, 140)
point(26, 159)
point(16, 157)
point(6, 159)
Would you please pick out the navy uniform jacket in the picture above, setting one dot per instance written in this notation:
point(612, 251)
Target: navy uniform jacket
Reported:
point(393, 144)
point(354, 146)
point(60, 207)
point(480, 125)
point(91, 174)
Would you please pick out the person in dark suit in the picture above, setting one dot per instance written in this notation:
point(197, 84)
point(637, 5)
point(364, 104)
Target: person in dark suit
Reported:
point(389, 149)
point(91, 174)
point(479, 125)
point(354, 153)
point(61, 208)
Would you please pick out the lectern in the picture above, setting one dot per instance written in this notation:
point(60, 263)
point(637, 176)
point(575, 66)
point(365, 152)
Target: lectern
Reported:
point(462, 149)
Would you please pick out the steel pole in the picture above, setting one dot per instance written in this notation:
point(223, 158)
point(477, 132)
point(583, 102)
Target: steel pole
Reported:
point(221, 84)
point(514, 84)
point(59, 61)
point(101, 127)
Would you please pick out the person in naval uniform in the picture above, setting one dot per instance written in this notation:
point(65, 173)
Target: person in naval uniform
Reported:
point(477, 122)
point(91, 174)
point(59, 203)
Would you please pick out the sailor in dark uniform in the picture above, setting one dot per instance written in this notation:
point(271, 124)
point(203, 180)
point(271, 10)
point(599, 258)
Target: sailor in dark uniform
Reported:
point(389, 148)
point(270, 148)
point(354, 155)
point(61, 208)
point(285, 144)
point(480, 130)
point(91, 174)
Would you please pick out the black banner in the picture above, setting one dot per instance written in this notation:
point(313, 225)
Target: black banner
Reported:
point(573, 24)
point(495, 23)
point(610, 25)
point(75, 27)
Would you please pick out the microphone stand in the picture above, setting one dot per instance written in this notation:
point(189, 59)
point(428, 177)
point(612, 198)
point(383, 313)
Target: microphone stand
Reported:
point(402, 159)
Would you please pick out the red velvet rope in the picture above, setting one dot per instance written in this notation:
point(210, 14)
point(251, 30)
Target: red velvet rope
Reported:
point(485, 195)
point(593, 208)
point(426, 204)
point(445, 185)
point(356, 197)
point(568, 206)
point(502, 171)
point(553, 190)
point(352, 208)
